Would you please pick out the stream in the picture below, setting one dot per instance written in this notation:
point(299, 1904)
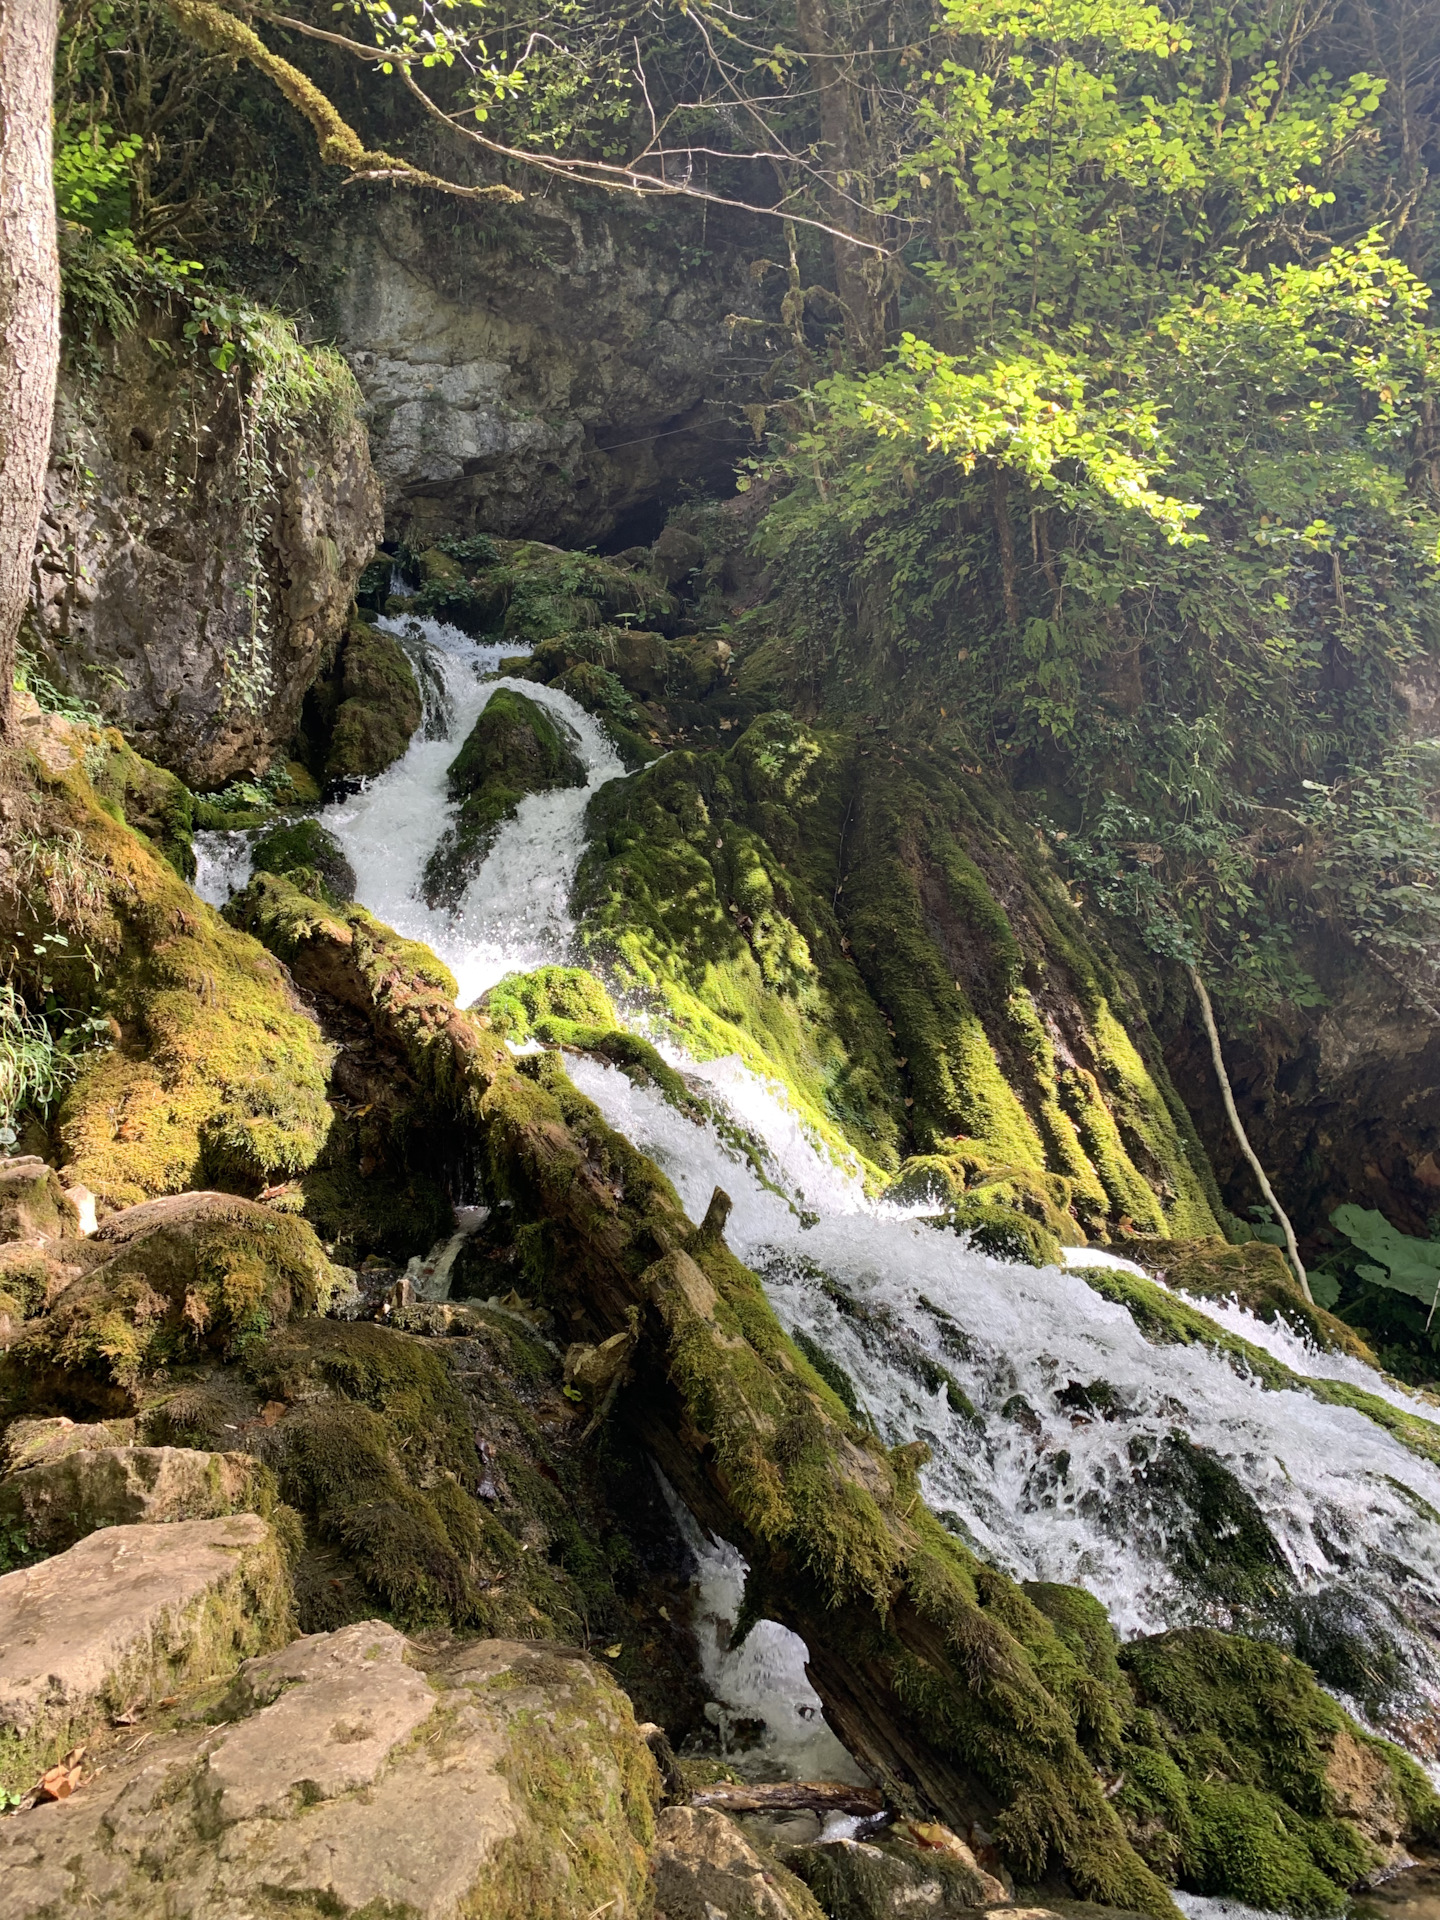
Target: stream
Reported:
point(1065, 1446)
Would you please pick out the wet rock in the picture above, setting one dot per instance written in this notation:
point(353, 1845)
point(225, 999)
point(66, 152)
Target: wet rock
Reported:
point(676, 555)
point(73, 1491)
point(641, 663)
point(126, 1616)
point(310, 857)
point(705, 1866)
point(361, 711)
point(347, 1780)
point(515, 748)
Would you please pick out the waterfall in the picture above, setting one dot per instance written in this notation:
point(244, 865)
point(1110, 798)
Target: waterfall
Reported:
point(1065, 1446)
point(516, 912)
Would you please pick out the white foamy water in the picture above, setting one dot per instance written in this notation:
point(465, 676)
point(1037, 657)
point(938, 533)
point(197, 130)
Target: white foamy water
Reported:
point(1057, 1431)
point(764, 1677)
point(516, 911)
point(1075, 1408)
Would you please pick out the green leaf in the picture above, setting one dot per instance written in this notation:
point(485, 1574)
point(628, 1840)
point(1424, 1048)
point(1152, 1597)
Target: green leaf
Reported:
point(1408, 1266)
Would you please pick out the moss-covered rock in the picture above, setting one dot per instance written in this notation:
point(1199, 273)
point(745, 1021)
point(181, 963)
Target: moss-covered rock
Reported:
point(216, 1074)
point(362, 710)
point(173, 1279)
point(1255, 1275)
point(310, 856)
point(514, 748)
point(1241, 1776)
point(831, 909)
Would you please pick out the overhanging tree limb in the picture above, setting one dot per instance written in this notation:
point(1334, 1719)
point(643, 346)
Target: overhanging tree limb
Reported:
point(210, 26)
point(215, 27)
point(1207, 1014)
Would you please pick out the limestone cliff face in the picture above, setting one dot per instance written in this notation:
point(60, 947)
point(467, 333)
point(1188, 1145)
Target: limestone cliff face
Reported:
point(546, 370)
point(187, 579)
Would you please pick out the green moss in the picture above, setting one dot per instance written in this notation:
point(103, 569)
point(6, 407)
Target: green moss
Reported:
point(1003, 1231)
point(198, 1274)
point(360, 714)
point(1255, 1275)
point(588, 1789)
point(310, 856)
point(514, 748)
point(523, 1004)
point(707, 890)
point(1214, 1534)
point(1253, 1740)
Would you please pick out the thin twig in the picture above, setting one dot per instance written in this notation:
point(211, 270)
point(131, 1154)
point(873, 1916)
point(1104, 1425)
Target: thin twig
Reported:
point(1207, 1014)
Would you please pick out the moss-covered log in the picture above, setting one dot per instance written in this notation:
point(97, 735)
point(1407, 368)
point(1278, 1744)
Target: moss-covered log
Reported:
point(925, 1676)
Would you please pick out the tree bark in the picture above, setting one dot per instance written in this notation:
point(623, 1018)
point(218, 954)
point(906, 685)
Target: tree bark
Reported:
point(29, 306)
point(860, 278)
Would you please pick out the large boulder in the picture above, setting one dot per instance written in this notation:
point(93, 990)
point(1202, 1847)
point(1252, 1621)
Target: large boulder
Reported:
point(71, 1483)
point(127, 1616)
point(169, 525)
point(362, 709)
point(176, 1278)
point(351, 1775)
point(515, 748)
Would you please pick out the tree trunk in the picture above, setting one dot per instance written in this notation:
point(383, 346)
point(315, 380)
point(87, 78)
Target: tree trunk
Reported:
point(860, 278)
point(29, 305)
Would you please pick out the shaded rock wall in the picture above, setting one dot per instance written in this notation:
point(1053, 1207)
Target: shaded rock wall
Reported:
point(146, 599)
point(545, 370)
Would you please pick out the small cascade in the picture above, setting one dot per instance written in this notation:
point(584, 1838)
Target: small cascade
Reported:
point(1065, 1446)
point(430, 1274)
point(761, 1680)
point(516, 911)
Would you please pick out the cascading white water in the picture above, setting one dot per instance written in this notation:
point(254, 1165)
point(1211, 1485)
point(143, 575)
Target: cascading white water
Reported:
point(1047, 1488)
point(516, 912)
point(1050, 1469)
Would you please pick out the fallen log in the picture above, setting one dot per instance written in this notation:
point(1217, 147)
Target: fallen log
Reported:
point(791, 1796)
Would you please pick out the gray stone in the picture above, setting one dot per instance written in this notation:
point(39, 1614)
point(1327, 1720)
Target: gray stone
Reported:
point(142, 580)
point(507, 1780)
point(539, 370)
point(125, 1617)
point(80, 1487)
point(705, 1867)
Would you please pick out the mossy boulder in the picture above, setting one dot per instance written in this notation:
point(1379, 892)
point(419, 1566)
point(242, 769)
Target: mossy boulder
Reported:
point(547, 1003)
point(216, 1075)
point(515, 748)
point(1004, 1232)
point(1243, 1778)
point(362, 710)
point(173, 1279)
point(310, 856)
point(1256, 1274)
